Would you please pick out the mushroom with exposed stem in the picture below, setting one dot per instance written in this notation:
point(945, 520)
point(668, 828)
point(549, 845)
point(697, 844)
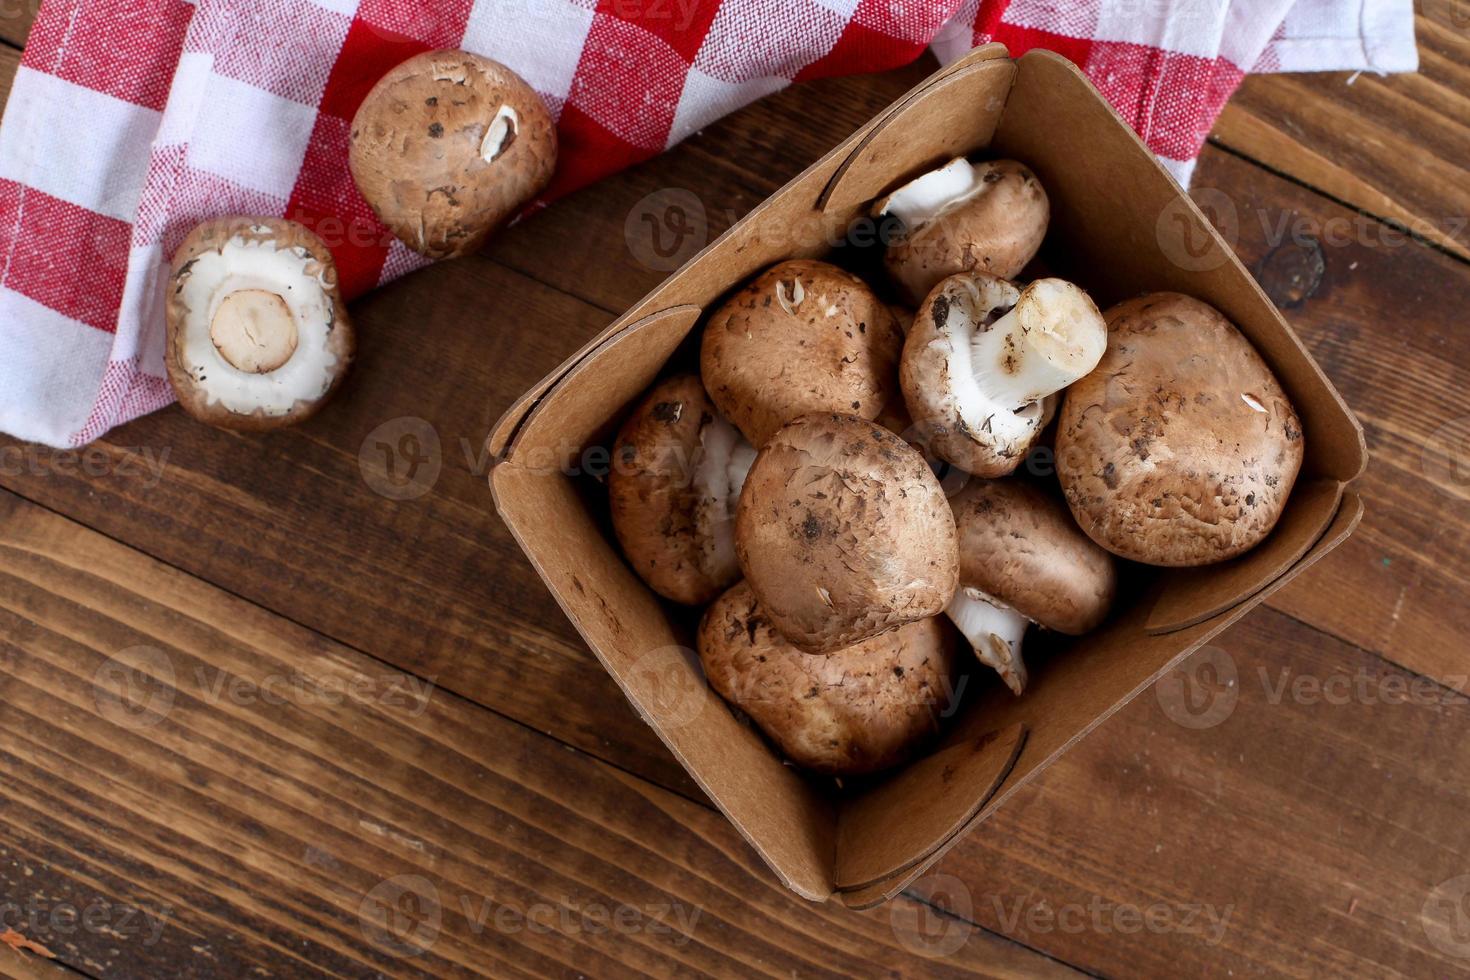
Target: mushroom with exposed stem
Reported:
point(985, 217)
point(843, 532)
point(1182, 447)
point(983, 359)
point(258, 335)
point(677, 470)
point(1023, 561)
point(448, 147)
point(803, 336)
point(859, 709)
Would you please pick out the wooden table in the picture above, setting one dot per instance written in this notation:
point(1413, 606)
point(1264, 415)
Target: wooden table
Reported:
point(252, 712)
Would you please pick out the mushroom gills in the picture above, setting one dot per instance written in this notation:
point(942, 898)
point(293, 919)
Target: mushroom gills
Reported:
point(725, 459)
point(925, 198)
point(994, 630)
point(256, 336)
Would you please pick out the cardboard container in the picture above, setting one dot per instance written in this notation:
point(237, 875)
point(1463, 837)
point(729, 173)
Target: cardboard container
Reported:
point(1121, 227)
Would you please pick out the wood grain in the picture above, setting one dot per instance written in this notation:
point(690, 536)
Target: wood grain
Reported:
point(1381, 314)
point(170, 748)
point(16, 17)
point(1395, 146)
point(9, 65)
point(433, 584)
point(292, 521)
point(1321, 810)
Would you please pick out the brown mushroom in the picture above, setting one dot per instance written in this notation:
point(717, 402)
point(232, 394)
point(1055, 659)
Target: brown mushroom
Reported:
point(1181, 447)
point(1023, 560)
point(676, 475)
point(858, 710)
point(843, 532)
point(802, 337)
point(985, 217)
point(258, 335)
point(982, 360)
point(448, 147)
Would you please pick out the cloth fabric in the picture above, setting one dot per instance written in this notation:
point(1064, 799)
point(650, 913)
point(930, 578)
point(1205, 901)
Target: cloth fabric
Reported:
point(130, 121)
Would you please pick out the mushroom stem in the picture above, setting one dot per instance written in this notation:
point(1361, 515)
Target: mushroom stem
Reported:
point(1052, 337)
point(719, 474)
point(923, 199)
point(994, 631)
point(253, 330)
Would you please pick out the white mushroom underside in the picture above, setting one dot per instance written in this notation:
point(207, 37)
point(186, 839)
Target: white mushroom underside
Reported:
point(724, 461)
point(924, 198)
point(290, 274)
point(1004, 370)
point(994, 630)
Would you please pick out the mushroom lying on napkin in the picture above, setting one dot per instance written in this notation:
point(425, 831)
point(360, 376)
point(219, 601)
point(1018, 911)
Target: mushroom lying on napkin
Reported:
point(258, 336)
point(448, 147)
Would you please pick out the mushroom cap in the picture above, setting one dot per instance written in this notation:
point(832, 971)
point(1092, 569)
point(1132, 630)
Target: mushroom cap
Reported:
point(949, 421)
point(1020, 547)
point(669, 523)
point(995, 225)
point(803, 336)
point(258, 336)
point(843, 532)
point(448, 147)
point(1180, 448)
point(857, 710)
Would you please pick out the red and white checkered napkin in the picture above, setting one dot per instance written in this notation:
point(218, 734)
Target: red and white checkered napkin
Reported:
point(132, 120)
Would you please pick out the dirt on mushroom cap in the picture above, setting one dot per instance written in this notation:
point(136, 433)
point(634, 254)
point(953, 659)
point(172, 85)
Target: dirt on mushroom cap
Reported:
point(858, 710)
point(418, 150)
point(1181, 447)
point(803, 336)
point(844, 532)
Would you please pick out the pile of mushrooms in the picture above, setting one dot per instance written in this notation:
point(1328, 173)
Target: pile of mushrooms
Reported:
point(790, 487)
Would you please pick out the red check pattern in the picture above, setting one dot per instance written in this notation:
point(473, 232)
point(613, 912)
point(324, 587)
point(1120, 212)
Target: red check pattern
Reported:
point(195, 110)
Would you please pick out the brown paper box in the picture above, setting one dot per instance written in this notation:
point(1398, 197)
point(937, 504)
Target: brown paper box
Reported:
point(1123, 227)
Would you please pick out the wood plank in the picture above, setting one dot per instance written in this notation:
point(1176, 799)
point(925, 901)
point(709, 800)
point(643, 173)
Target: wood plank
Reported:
point(295, 520)
point(1321, 810)
point(265, 793)
point(9, 65)
point(1395, 146)
point(16, 17)
point(1381, 314)
point(433, 584)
